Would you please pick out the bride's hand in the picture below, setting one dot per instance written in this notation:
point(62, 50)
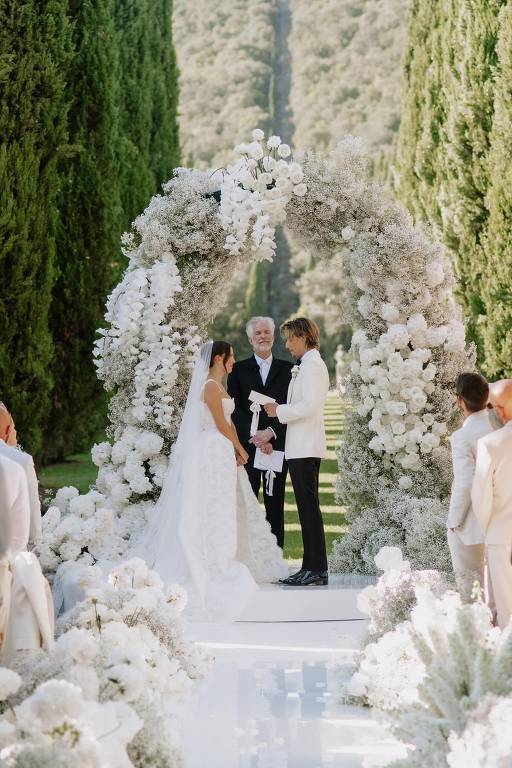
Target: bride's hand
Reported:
point(242, 457)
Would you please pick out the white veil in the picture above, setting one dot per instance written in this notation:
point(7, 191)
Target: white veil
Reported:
point(171, 541)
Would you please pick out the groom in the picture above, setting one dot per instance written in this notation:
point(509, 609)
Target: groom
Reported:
point(266, 374)
point(305, 443)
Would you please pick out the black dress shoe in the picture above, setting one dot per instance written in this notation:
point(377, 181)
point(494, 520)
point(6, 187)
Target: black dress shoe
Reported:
point(311, 579)
point(293, 578)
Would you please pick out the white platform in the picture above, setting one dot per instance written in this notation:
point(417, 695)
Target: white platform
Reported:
point(277, 603)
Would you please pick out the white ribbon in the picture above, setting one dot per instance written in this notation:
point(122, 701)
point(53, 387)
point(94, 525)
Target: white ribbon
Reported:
point(255, 408)
point(269, 476)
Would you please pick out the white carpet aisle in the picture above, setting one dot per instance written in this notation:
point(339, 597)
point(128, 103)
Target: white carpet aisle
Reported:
point(272, 698)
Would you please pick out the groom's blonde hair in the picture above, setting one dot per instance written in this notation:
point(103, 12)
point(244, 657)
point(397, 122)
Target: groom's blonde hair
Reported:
point(301, 326)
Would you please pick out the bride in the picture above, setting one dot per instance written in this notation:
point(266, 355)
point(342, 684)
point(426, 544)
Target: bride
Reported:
point(207, 531)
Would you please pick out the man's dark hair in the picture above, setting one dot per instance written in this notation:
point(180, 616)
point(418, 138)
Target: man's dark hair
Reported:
point(474, 391)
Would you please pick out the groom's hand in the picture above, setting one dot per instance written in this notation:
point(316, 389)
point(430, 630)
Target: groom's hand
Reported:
point(271, 409)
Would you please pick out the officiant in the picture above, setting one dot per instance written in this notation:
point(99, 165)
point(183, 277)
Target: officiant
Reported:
point(270, 376)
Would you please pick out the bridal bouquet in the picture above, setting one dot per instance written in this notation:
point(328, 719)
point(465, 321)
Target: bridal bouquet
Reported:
point(255, 192)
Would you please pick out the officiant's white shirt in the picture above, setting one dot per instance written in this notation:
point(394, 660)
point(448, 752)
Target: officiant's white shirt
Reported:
point(264, 365)
point(14, 504)
point(304, 412)
point(26, 462)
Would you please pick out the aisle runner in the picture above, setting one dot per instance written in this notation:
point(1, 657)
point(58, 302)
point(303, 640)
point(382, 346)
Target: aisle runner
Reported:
point(272, 701)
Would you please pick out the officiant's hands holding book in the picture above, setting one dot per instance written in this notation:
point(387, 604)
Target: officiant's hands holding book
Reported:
point(262, 436)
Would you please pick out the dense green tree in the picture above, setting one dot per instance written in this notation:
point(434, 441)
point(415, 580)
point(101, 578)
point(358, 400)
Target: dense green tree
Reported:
point(148, 143)
point(497, 285)
point(446, 135)
point(90, 222)
point(35, 47)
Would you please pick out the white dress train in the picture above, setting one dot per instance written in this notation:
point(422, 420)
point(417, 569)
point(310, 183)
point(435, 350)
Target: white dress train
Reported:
point(224, 546)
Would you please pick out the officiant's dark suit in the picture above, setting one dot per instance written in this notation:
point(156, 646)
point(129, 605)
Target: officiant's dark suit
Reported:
point(244, 378)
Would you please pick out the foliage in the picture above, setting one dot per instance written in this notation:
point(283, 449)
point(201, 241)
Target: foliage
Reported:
point(89, 132)
point(453, 138)
point(35, 53)
point(225, 52)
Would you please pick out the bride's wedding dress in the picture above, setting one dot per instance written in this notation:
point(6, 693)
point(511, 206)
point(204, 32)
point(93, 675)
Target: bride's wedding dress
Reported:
point(208, 531)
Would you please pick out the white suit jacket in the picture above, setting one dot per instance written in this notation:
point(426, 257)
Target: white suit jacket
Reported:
point(304, 412)
point(492, 486)
point(30, 623)
point(26, 461)
point(14, 504)
point(464, 446)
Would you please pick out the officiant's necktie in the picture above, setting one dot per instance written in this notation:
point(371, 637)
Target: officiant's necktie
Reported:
point(264, 369)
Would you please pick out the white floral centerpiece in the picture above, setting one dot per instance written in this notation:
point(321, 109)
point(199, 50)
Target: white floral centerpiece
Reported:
point(255, 192)
point(58, 726)
point(123, 645)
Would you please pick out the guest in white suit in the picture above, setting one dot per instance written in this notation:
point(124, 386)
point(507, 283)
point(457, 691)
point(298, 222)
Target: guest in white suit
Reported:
point(465, 535)
point(14, 506)
point(305, 444)
point(492, 498)
point(26, 611)
point(8, 449)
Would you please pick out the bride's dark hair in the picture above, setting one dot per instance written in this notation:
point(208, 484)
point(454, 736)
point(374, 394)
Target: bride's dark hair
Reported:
point(222, 348)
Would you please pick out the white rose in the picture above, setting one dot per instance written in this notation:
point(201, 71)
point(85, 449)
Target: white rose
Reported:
point(391, 559)
point(347, 233)
point(273, 142)
point(258, 134)
point(300, 190)
point(405, 482)
point(10, 683)
point(284, 150)
point(389, 313)
point(434, 273)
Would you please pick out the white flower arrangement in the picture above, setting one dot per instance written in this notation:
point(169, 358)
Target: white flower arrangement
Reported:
point(121, 660)
point(438, 668)
point(58, 726)
point(255, 192)
point(391, 600)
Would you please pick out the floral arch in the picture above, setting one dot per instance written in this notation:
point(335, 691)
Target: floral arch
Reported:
point(407, 347)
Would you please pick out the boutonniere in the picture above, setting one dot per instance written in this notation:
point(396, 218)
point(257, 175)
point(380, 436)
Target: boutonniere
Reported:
point(295, 370)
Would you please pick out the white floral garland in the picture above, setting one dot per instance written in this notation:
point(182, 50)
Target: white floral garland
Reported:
point(436, 667)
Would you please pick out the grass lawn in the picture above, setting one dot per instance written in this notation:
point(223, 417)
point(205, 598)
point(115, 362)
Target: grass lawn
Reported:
point(76, 470)
point(79, 471)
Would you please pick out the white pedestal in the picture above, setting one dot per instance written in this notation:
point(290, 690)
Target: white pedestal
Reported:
point(277, 603)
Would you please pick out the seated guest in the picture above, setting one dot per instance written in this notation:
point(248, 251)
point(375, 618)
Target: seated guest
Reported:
point(8, 449)
point(26, 606)
point(465, 535)
point(492, 498)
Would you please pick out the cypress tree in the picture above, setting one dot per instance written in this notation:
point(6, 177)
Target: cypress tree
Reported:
point(444, 139)
point(124, 135)
point(497, 285)
point(148, 145)
point(470, 54)
point(89, 228)
point(34, 55)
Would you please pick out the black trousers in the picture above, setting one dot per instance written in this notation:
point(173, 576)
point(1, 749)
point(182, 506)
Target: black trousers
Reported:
point(274, 505)
point(304, 474)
